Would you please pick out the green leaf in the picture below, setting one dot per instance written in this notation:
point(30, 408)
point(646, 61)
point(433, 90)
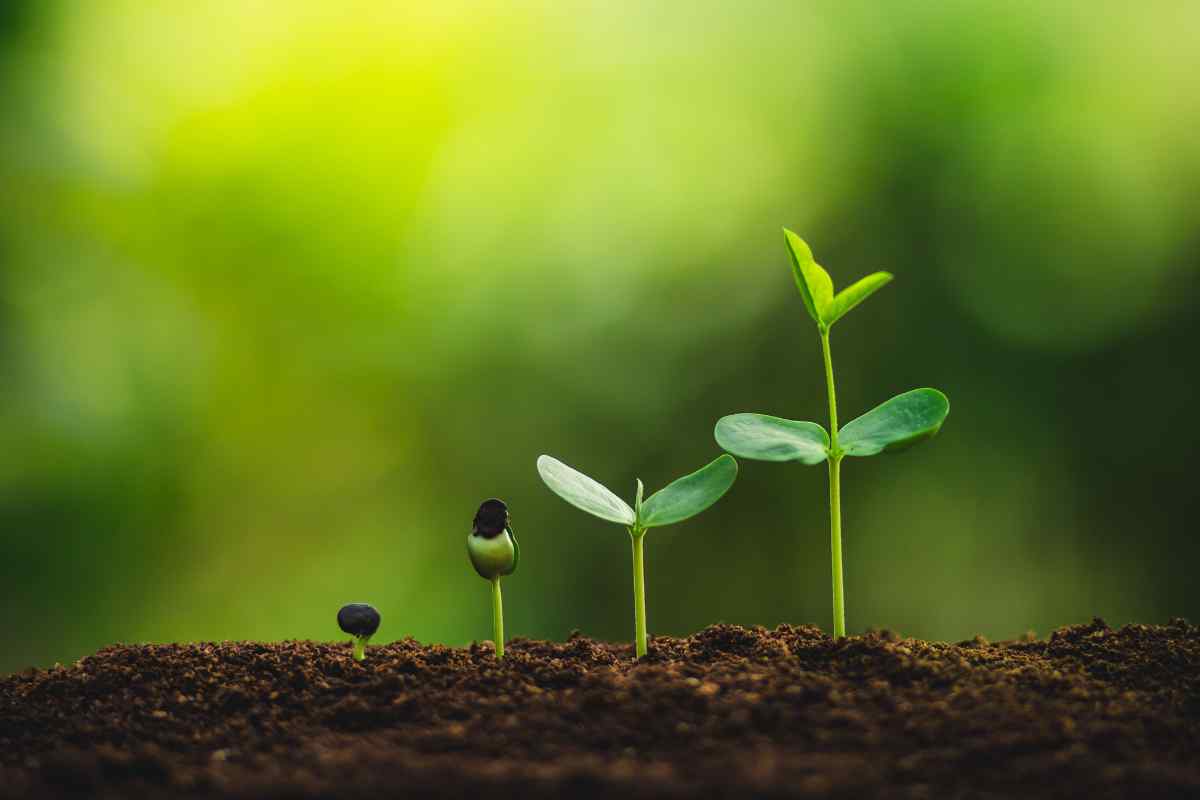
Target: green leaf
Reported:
point(855, 293)
point(637, 502)
point(582, 492)
point(765, 438)
point(689, 495)
point(814, 283)
point(899, 423)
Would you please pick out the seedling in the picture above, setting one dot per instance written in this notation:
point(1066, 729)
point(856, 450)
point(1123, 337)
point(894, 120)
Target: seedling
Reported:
point(899, 423)
point(360, 621)
point(680, 500)
point(494, 552)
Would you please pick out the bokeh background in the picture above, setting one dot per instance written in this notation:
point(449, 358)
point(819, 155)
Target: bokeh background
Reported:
point(287, 288)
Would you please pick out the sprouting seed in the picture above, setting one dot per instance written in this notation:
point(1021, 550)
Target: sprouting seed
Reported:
point(494, 552)
point(900, 422)
point(360, 620)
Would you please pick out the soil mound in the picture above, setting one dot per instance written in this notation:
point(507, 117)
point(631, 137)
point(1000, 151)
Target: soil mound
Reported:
point(1092, 712)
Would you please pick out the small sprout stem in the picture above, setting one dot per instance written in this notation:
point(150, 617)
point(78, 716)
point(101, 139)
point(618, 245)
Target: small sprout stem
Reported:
point(639, 590)
point(835, 496)
point(360, 646)
point(498, 618)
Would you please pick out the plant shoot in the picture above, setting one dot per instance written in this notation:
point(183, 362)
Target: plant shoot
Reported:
point(678, 501)
point(360, 620)
point(492, 547)
point(898, 423)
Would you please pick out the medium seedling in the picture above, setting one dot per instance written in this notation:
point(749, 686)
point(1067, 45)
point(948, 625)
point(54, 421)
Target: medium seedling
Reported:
point(678, 501)
point(494, 552)
point(899, 423)
point(360, 620)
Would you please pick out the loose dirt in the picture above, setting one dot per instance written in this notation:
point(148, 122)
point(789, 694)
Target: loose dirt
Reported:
point(1092, 712)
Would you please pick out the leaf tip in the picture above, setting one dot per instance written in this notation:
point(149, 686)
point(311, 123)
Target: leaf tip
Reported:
point(546, 463)
point(797, 243)
point(945, 402)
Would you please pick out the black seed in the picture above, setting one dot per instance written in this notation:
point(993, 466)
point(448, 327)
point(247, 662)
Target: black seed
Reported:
point(491, 518)
point(358, 619)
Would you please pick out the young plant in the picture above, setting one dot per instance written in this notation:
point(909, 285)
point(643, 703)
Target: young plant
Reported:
point(900, 422)
point(680, 500)
point(492, 547)
point(360, 621)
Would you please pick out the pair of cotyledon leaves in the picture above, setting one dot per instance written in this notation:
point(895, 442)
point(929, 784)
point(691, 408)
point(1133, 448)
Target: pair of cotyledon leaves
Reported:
point(678, 501)
point(900, 422)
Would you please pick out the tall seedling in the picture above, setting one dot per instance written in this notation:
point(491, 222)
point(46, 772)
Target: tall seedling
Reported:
point(899, 423)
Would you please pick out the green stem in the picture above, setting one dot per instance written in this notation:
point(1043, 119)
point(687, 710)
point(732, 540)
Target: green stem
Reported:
point(497, 618)
point(835, 496)
point(639, 591)
point(360, 645)
point(835, 546)
point(833, 426)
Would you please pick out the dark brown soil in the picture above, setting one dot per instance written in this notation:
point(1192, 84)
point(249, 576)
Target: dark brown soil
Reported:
point(1092, 712)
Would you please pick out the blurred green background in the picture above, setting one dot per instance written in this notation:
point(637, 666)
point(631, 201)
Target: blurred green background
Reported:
point(287, 288)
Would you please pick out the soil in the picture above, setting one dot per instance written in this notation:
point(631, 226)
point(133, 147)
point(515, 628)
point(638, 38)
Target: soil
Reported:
point(1092, 712)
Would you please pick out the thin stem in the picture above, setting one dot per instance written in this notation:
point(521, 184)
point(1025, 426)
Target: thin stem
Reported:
point(835, 546)
point(639, 591)
point(835, 496)
point(497, 618)
point(359, 648)
point(833, 426)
